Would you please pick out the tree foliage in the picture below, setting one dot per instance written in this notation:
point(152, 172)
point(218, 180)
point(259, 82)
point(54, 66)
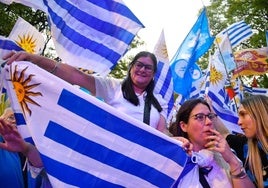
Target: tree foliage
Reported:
point(223, 13)
point(10, 13)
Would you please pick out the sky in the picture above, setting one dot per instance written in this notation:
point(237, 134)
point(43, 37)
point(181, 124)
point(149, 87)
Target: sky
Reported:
point(175, 17)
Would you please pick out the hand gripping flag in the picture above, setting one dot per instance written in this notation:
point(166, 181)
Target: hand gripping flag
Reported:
point(84, 142)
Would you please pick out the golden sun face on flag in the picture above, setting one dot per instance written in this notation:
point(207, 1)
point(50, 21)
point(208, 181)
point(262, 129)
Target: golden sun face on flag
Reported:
point(215, 76)
point(23, 89)
point(27, 43)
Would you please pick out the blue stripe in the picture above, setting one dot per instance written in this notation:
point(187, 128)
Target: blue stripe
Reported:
point(227, 117)
point(105, 155)
point(96, 23)
point(92, 113)
point(19, 119)
point(167, 80)
point(9, 45)
point(81, 40)
point(240, 39)
point(160, 66)
point(170, 105)
point(259, 91)
point(118, 8)
point(78, 177)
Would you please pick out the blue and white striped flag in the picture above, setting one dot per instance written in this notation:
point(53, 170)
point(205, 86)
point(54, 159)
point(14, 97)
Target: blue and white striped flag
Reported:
point(86, 143)
point(91, 34)
point(219, 96)
point(255, 90)
point(163, 76)
point(238, 32)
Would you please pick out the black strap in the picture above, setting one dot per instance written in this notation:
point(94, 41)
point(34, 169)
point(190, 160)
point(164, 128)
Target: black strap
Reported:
point(147, 110)
point(202, 179)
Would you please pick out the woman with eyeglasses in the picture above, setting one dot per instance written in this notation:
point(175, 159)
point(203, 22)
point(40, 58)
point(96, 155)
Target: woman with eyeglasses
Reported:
point(215, 165)
point(133, 96)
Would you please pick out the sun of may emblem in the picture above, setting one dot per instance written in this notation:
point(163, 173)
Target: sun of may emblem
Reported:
point(23, 89)
point(27, 43)
point(215, 76)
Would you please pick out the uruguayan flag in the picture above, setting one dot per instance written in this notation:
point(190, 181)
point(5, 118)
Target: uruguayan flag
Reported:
point(90, 34)
point(86, 143)
point(163, 76)
point(238, 32)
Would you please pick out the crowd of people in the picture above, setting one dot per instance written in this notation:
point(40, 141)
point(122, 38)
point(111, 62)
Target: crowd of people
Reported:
point(209, 144)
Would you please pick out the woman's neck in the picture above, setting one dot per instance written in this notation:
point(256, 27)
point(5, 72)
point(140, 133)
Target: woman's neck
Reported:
point(138, 90)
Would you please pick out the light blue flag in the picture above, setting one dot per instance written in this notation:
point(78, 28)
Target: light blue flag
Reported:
point(85, 142)
point(163, 76)
point(183, 65)
point(91, 34)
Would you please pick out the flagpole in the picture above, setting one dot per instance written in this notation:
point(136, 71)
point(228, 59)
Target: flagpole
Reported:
point(228, 76)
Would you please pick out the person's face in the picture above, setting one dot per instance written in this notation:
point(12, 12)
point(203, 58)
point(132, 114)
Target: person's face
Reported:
point(142, 72)
point(247, 123)
point(198, 128)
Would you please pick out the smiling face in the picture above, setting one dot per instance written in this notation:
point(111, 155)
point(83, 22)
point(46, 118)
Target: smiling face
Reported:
point(196, 129)
point(247, 123)
point(141, 74)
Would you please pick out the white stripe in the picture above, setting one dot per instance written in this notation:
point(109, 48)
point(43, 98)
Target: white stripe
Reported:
point(105, 14)
point(85, 30)
point(89, 165)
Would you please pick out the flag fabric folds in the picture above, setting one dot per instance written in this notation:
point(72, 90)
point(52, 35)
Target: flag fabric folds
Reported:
point(90, 34)
point(219, 96)
point(183, 66)
point(224, 51)
point(84, 142)
point(163, 76)
point(255, 90)
point(251, 62)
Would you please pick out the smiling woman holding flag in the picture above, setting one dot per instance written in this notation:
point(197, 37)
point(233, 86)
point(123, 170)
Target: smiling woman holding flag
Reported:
point(133, 96)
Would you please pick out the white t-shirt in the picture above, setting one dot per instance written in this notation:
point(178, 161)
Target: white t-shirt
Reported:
point(218, 177)
point(109, 89)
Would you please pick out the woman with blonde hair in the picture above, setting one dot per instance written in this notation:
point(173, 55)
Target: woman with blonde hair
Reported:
point(253, 121)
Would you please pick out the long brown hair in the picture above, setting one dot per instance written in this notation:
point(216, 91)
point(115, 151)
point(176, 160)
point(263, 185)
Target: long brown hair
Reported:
point(127, 85)
point(257, 107)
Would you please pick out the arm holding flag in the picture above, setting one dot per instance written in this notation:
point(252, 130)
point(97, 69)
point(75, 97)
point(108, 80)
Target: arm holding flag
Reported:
point(134, 95)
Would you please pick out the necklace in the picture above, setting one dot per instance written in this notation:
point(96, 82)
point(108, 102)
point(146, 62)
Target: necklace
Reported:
point(264, 173)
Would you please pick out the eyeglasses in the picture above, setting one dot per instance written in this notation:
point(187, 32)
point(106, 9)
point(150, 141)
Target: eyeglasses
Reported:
point(202, 117)
point(139, 65)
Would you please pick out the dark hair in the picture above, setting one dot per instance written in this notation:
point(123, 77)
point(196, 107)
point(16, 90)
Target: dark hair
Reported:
point(183, 115)
point(127, 85)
